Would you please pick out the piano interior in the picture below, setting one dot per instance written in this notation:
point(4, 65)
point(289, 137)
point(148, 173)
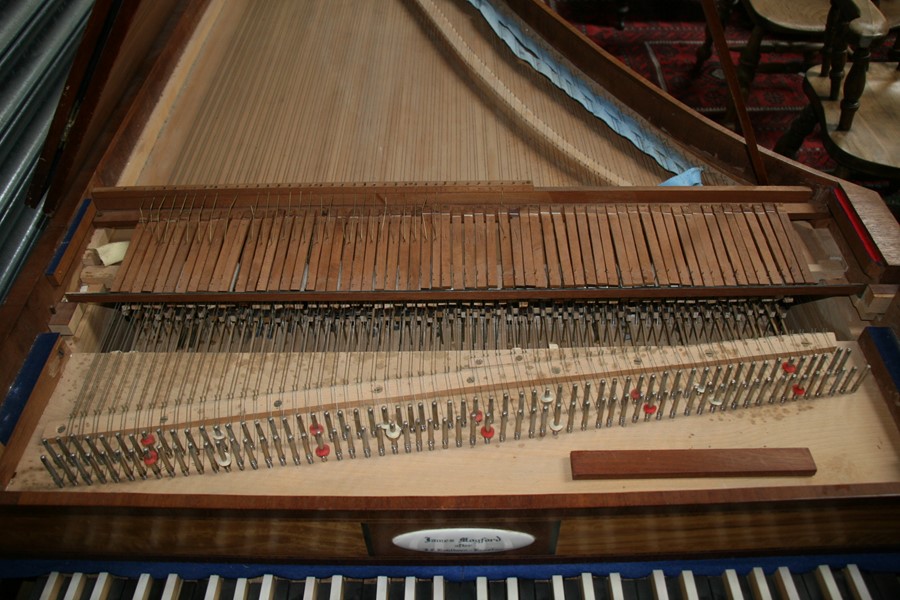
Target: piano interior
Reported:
point(346, 281)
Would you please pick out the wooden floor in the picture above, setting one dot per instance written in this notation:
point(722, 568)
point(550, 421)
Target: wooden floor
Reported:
point(346, 91)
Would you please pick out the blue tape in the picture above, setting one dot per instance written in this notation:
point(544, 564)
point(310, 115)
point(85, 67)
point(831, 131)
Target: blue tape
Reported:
point(20, 390)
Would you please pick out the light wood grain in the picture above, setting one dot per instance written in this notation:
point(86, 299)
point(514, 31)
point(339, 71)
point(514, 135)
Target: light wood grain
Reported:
point(873, 141)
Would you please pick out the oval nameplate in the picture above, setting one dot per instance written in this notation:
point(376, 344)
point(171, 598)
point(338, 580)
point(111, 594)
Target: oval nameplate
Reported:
point(463, 540)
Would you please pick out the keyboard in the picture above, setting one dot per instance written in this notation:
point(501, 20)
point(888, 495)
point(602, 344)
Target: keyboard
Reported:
point(825, 583)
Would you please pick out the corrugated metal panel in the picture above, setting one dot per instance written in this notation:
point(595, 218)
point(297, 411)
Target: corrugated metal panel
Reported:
point(38, 39)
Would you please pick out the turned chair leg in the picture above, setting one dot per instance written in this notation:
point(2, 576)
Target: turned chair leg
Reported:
point(853, 87)
point(704, 52)
point(749, 60)
point(789, 144)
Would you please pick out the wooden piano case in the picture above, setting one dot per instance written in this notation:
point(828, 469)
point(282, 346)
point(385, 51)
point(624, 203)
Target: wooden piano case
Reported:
point(351, 510)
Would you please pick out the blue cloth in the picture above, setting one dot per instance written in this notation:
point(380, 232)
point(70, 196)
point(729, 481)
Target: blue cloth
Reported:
point(690, 177)
point(628, 126)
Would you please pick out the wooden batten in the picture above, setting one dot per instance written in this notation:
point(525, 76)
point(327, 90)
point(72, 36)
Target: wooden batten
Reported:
point(718, 462)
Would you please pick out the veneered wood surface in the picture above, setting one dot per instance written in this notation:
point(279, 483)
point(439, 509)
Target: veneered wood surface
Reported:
point(705, 462)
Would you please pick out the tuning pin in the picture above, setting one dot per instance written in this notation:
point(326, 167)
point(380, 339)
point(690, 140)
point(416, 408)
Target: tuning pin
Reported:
point(249, 451)
point(367, 450)
point(532, 424)
point(586, 406)
point(53, 474)
point(351, 444)
point(292, 443)
point(263, 443)
point(848, 379)
point(210, 454)
point(860, 379)
point(276, 441)
point(435, 418)
point(504, 417)
point(573, 406)
point(304, 439)
point(178, 452)
point(110, 467)
point(379, 437)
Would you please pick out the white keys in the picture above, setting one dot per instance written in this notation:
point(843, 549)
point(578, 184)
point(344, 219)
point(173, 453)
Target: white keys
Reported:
point(381, 588)
point(827, 584)
point(173, 588)
point(559, 591)
point(337, 588)
point(512, 588)
point(267, 589)
point(481, 588)
point(616, 592)
point(759, 585)
point(409, 588)
point(437, 588)
point(76, 587)
point(241, 589)
point(213, 588)
point(52, 587)
point(857, 584)
point(101, 587)
point(142, 591)
point(688, 586)
point(309, 589)
point(732, 585)
point(587, 587)
point(658, 579)
point(786, 586)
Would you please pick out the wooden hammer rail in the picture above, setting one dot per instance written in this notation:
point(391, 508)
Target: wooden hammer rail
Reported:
point(462, 248)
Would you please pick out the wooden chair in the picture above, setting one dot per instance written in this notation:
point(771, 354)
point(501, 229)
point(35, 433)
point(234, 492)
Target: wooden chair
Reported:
point(858, 111)
point(782, 20)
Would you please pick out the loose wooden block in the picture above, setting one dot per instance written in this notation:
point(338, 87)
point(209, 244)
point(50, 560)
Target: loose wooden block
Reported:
point(875, 300)
point(90, 258)
point(66, 318)
point(719, 462)
point(100, 237)
point(99, 274)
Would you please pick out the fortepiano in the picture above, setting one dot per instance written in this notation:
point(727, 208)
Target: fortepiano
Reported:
point(404, 333)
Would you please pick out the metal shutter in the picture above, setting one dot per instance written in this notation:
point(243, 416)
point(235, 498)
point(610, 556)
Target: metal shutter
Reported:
point(38, 39)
